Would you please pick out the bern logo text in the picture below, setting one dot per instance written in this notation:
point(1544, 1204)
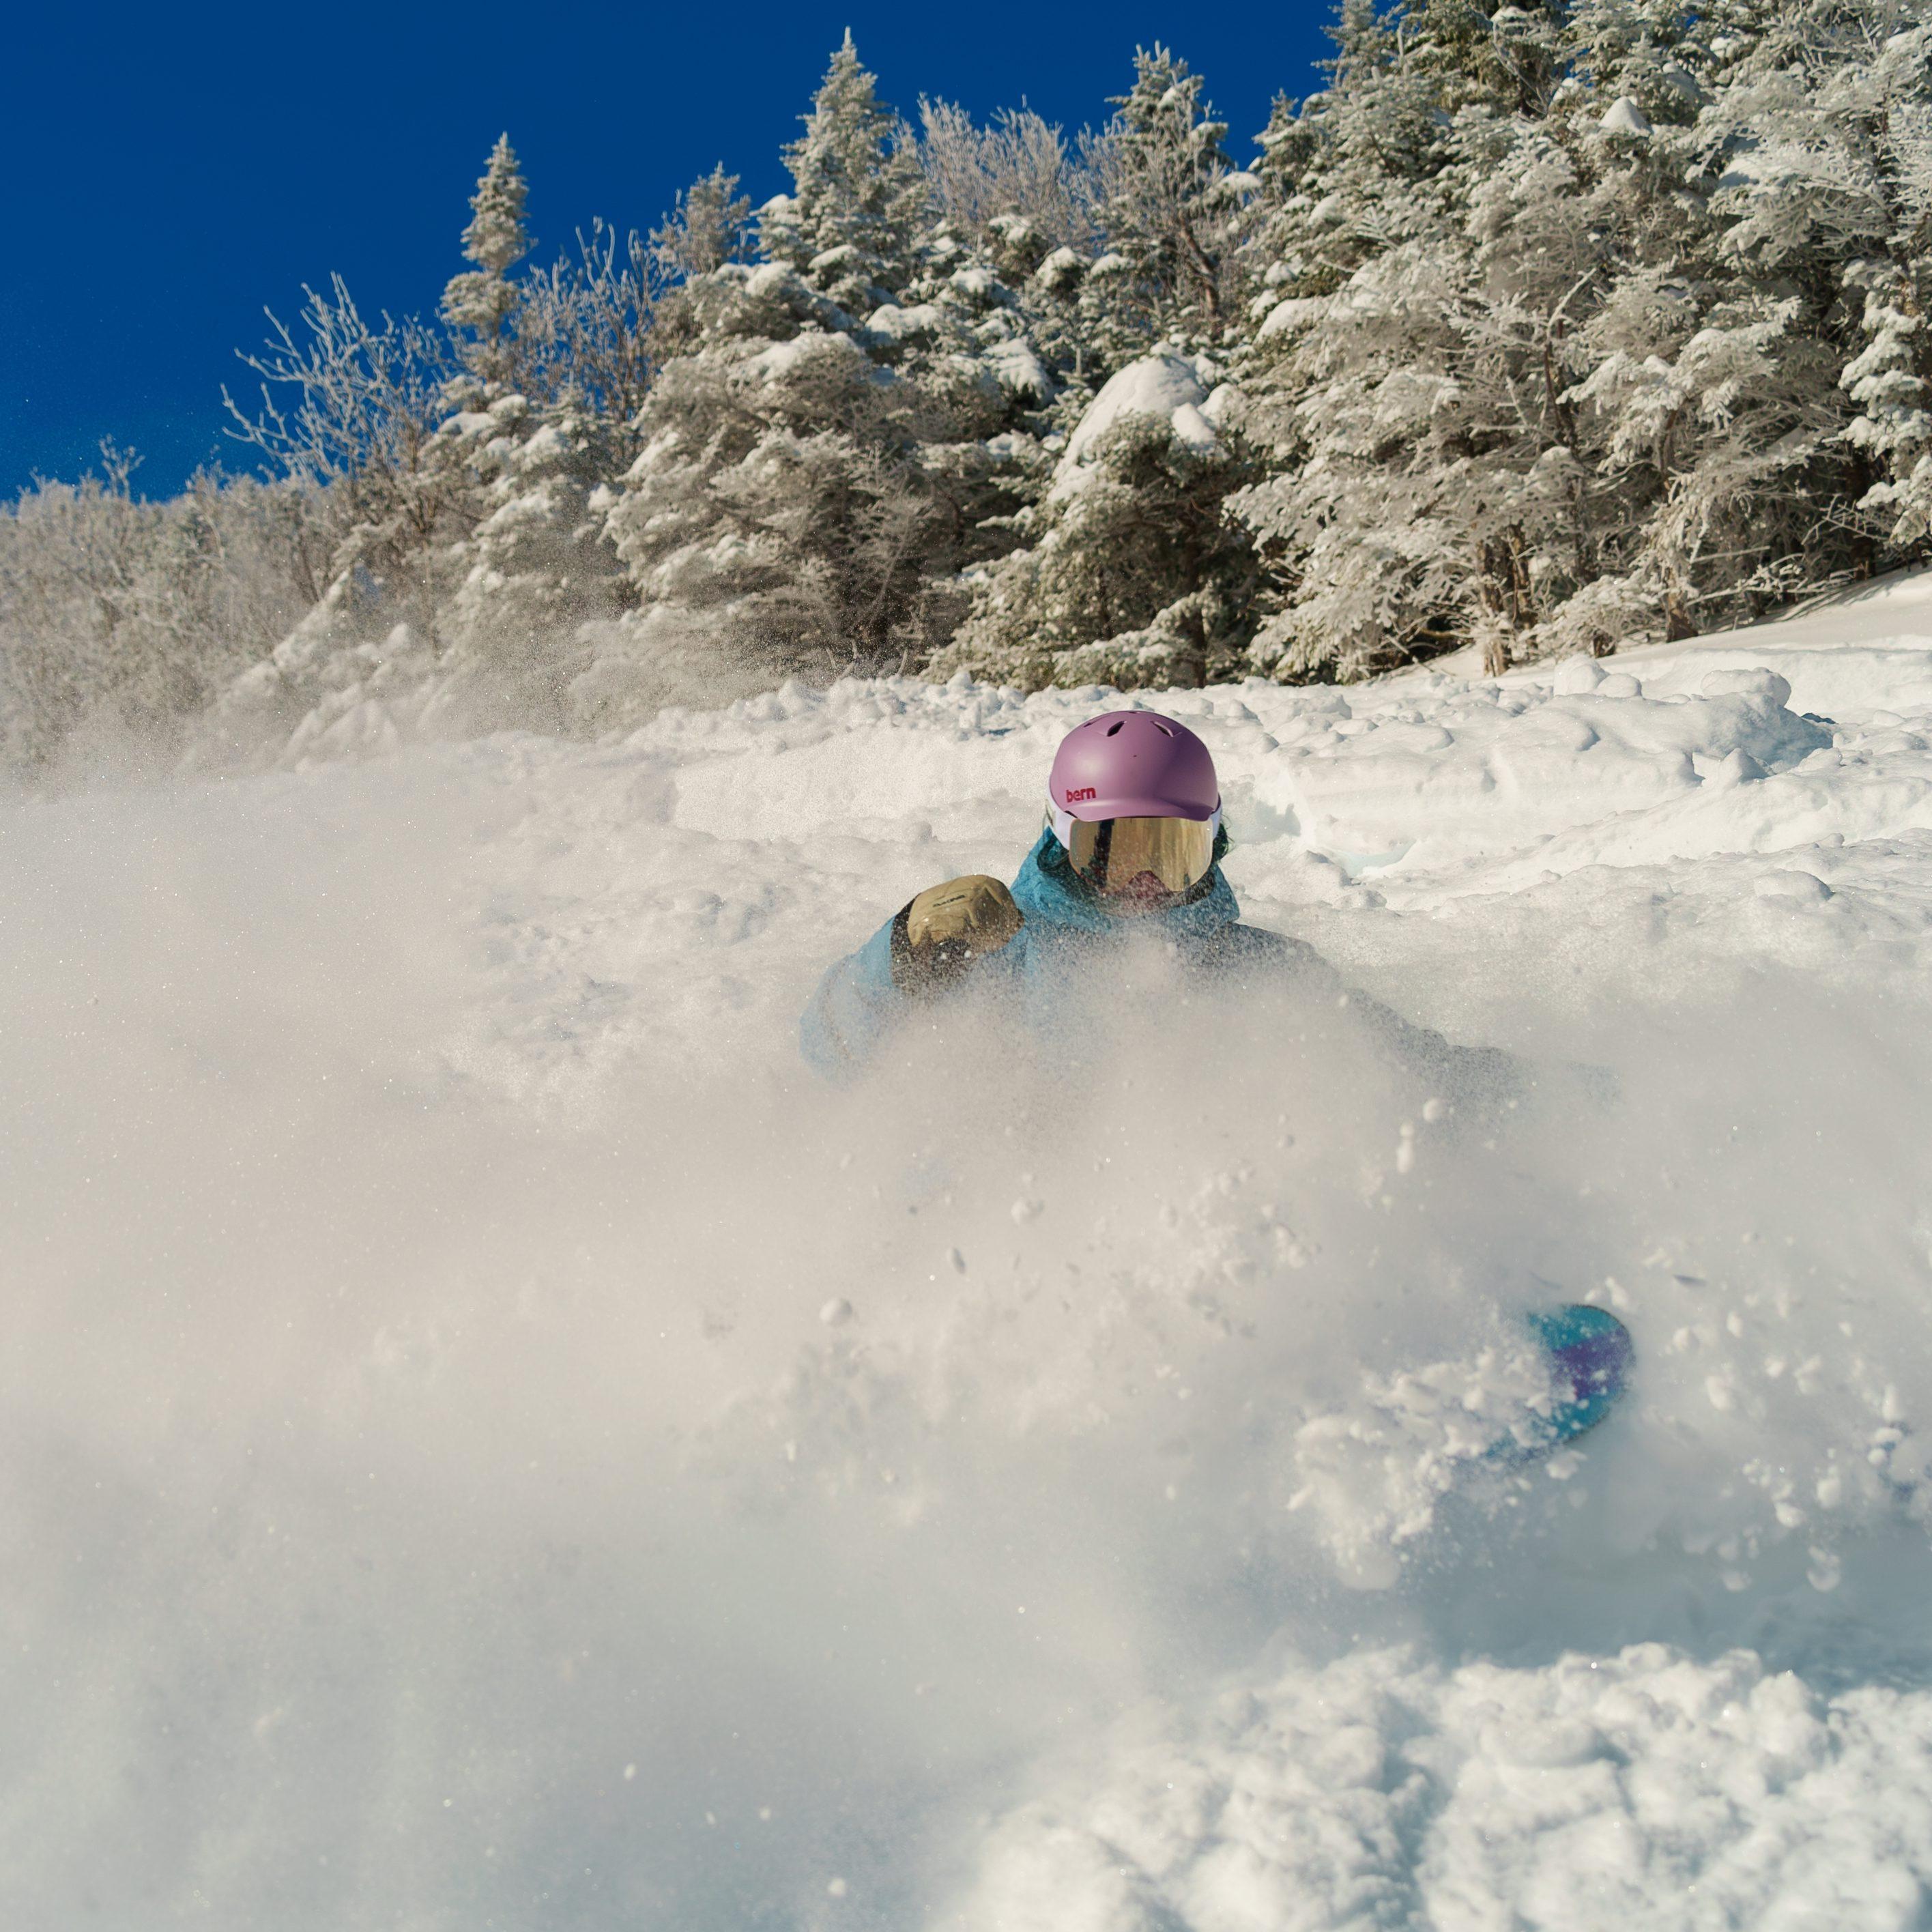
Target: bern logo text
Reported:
point(1080, 796)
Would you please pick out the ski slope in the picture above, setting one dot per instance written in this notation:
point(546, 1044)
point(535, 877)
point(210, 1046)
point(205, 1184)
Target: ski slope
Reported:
point(490, 1441)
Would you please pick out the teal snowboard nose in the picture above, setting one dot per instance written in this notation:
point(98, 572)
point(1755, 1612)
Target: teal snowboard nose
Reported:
point(1590, 1355)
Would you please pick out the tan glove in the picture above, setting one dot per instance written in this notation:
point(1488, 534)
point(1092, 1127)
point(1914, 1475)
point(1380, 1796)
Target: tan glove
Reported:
point(940, 934)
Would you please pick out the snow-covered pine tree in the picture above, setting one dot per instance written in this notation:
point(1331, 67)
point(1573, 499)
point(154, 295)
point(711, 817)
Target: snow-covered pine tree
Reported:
point(1014, 194)
point(1130, 572)
point(554, 372)
point(1883, 100)
point(1750, 468)
point(1891, 382)
point(1350, 356)
point(538, 565)
point(859, 205)
point(1565, 200)
point(1702, 416)
point(478, 304)
point(1170, 206)
point(401, 567)
point(1606, 330)
point(710, 225)
point(838, 427)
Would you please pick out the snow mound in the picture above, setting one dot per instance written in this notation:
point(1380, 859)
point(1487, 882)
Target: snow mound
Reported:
point(1172, 388)
point(1645, 1789)
point(1624, 116)
point(1492, 769)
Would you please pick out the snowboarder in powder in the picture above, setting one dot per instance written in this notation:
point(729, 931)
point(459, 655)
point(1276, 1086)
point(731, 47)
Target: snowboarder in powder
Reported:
point(1133, 844)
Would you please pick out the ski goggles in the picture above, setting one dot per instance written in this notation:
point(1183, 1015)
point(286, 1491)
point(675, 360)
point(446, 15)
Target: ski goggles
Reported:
point(1112, 854)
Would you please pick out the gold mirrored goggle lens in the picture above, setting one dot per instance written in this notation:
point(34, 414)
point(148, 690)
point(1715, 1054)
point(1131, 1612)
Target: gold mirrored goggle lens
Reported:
point(1113, 853)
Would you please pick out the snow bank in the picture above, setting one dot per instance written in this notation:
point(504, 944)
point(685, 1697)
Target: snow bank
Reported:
point(1642, 1789)
point(489, 1438)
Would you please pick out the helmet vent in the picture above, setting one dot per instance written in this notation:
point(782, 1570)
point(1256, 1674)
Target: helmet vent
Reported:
point(1161, 729)
point(1115, 726)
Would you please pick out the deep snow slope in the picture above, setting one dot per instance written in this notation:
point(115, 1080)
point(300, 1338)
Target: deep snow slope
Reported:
point(489, 1440)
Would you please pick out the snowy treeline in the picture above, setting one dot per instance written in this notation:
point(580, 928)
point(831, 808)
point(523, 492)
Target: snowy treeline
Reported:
point(120, 618)
point(1547, 327)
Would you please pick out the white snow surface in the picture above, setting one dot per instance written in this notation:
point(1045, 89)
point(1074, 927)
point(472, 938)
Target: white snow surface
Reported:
point(490, 1440)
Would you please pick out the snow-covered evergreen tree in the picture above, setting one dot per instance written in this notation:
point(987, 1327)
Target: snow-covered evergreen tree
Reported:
point(538, 564)
point(859, 204)
point(838, 427)
point(1352, 265)
point(710, 225)
point(478, 304)
point(1559, 329)
point(1129, 571)
point(1170, 207)
point(1131, 575)
point(1889, 380)
point(1879, 103)
point(1745, 467)
point(534, 429)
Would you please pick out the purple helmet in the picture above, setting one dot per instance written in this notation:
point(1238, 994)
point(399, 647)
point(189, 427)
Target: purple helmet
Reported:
point(1132, 764)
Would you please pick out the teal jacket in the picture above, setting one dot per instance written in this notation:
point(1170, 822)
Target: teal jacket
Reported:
point(858, 1004)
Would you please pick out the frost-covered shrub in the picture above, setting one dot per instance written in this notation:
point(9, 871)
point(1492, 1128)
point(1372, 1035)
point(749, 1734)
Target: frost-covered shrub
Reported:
point(121, 620)
point(471, 470)
point(1017, 169)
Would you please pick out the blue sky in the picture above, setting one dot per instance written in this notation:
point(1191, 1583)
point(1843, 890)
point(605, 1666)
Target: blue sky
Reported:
point(179, 168)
